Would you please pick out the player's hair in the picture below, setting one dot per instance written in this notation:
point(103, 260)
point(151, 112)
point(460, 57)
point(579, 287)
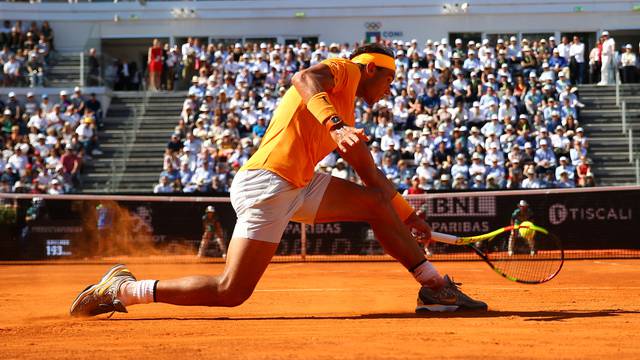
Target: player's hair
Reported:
point(373, 48)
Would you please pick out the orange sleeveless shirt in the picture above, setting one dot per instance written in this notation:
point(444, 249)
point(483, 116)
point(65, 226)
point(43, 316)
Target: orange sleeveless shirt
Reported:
point(295, 140)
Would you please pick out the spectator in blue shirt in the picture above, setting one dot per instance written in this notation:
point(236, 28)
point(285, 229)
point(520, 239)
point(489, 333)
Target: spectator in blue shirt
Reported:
point(556, 61)
point(430, 101)
point(171, 173)
point(545, 153)
point(259, 128)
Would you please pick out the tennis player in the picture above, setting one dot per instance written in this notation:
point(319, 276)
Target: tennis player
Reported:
point(278, 184)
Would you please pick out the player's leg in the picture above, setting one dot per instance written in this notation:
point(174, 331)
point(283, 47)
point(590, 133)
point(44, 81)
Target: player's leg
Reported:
point(246, 262)
point(118, 288)
point(262, 217)
point(346, 201)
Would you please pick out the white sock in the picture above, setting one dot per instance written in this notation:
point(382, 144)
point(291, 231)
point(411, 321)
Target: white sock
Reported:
point(427, 275)
point(137, 292)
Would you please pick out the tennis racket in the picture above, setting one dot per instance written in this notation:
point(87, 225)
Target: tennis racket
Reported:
point(524, 253)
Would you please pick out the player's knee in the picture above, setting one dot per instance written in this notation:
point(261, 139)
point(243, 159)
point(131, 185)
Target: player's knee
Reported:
point(235, 298)
point(232, 295)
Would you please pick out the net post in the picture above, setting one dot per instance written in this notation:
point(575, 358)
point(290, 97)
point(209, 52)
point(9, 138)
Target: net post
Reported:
point(303, 241)
point(637, 171)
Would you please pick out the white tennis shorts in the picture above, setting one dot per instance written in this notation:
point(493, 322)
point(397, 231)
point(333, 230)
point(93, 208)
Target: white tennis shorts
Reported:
point(265, 203)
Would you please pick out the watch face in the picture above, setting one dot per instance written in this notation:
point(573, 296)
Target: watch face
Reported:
point(335, 119)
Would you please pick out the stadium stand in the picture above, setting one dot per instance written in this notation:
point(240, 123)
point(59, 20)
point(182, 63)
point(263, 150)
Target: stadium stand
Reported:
point(464, 89)
point(45, 143)
point(471, 111)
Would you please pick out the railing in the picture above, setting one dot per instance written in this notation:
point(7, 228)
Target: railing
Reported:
point(627, 129)
point(617, 88)
point(119, 162)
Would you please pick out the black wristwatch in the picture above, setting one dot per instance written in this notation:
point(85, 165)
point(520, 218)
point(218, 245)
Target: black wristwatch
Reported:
point(333, 122)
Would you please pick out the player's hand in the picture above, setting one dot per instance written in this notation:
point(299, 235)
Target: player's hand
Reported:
point(420, 229)
point(346, 137)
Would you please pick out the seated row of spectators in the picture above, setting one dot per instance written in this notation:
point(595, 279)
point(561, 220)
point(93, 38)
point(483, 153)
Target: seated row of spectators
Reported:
point(24, 53)
point(447, 108)
point(44, 143)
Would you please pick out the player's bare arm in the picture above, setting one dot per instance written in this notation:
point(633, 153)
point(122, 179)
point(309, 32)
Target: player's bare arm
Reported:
point(316, 80)
point(374, 84)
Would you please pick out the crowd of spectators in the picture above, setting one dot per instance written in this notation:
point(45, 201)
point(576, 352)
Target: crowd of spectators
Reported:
point(459, 116)
point(24, 53)
point(45, 142)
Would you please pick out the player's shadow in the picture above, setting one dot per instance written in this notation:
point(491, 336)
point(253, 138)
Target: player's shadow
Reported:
point(557, 315)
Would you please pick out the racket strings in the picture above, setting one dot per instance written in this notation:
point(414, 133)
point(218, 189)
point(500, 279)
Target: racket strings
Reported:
point(533, 260)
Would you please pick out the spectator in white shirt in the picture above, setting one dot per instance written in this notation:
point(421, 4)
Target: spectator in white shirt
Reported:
point(475, 114)
point(40, 146)
point(493, 126)
point(561, 144)
point(565, 166)
point(513, 50)
point(608, 60)
point(460, 167)
point(493, 153)
point(38, 121)
point(11, 70)
point(564, 181)
point(426, 171)
point(545, 153)
point(389, 138)
point(477, 167)
point(579, 137)
point(471, 63)
point(531, 182)
point(163, 186)
point(55, 188)
point(576, 152)
point(376, 153)
point(547, 74)
point(340, 170)
point(564, 48)
point(507, 109)
point(628, 62)
point(19, 158)
point(576, 60)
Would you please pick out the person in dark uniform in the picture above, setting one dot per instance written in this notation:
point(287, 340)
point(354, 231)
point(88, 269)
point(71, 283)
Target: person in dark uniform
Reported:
point(212, 228)
point(520, 216)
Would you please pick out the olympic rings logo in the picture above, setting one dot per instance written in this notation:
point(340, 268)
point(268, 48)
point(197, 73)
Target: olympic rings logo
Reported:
point(373, 26)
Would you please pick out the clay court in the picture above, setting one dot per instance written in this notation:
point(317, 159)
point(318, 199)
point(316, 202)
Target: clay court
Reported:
point(330, 310)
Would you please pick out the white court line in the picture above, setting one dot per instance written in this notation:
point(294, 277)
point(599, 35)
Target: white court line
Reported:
point(518, 288)
point(613, 263)
point(514, 288)
point(302, 290)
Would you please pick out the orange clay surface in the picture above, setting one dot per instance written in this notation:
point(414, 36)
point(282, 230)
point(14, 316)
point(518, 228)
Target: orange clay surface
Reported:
point(330, 311)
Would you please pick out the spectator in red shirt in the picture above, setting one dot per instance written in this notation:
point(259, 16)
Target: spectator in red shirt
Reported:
point(71, 164)
point(415, 187)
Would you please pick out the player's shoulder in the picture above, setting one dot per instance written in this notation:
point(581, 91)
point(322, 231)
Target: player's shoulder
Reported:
point(341, 64)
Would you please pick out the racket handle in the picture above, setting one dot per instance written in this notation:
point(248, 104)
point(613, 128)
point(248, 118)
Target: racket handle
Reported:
point(444, 238)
